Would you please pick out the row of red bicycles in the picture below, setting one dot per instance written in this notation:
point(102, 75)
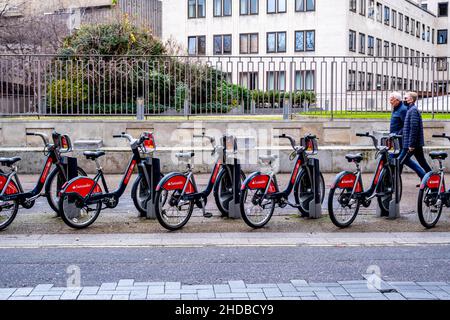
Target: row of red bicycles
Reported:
point(79, 200)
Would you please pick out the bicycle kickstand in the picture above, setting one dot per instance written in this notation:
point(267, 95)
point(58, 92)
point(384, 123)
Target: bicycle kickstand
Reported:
point(203, 207)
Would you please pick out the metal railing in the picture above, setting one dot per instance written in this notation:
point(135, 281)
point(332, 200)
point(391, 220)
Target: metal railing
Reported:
point(216, 85)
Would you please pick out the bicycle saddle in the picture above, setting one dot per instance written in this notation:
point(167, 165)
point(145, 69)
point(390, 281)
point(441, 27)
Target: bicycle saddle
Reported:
point(269, 158)
point(354, 157)
point(185, 155)
point(93, 155)
point(9, 161)
point(438, 155)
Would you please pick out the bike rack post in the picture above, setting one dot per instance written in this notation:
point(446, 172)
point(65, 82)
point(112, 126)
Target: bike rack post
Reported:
point(234, 211)
point(315, 206)
point(153, 167)
point(70, 166)
point(394, 205)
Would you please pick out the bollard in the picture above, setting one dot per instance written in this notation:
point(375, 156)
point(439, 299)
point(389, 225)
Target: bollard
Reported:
point(253, 107)
point(140, 109)
point(186, 108)
point(286, 108)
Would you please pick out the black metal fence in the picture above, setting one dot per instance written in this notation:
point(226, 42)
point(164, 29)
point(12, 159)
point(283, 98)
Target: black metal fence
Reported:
point(216, 85)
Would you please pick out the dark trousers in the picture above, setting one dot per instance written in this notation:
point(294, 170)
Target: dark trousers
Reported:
point(421, 167)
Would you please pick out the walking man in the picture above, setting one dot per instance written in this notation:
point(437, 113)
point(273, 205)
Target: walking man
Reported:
point(413, 138)
point(399, 111)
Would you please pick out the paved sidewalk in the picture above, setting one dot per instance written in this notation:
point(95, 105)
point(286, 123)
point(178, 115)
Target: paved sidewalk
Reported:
point(128, 289)
point(223, 240)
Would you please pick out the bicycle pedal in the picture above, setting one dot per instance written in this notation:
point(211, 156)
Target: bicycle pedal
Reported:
point(208, 215)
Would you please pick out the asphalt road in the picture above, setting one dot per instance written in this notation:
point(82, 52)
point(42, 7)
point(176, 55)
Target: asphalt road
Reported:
point(28, 267)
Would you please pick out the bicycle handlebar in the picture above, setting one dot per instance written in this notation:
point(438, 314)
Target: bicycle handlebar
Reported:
point(368, 135)
point(441, 136)
point(124, 135)
point(43, 136)
point(291, 140)
point(212, 140)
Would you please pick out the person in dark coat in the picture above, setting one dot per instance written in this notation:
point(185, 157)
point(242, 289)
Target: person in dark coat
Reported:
point(399, 111)
point(413, 139)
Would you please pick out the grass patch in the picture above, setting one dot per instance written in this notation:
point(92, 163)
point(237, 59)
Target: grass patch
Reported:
point(368, 115)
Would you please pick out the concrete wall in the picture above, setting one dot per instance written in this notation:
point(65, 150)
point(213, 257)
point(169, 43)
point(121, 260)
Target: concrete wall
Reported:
point(337, 138)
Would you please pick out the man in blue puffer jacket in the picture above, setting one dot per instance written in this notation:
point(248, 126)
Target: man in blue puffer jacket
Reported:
point(413, 138)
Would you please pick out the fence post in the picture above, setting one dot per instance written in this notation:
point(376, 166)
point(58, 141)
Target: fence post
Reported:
point(286, 102)
point(253, 107)
point(186, 108)
point(140, 110)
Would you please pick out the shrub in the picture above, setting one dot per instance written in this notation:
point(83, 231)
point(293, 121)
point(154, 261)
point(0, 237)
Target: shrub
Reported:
point(63, 94)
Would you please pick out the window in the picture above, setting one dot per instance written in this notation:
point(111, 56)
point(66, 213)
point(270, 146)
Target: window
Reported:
point(407, 24)
point(424, 32)
point(276, 80)
point(276, 6)
point(352, 41)
point(369, 81)
point(362, 7)
point(443, 9)
point(386, 50)
point(406, 55)
point(310, 40)
point(249, 7)
point(249, 43)
point(305, 5)
point(393, 51)
point(222, 8)
point(379, 48)
point(432, 35)
point(394, 19)
point(196, 9)
point(222, 44)
point(400, 21)
point(428, 34)
point(379, 12)
point(276, 42)
point(413, 27)
point(418, 29)
point(400, 53)
point(351, 80)
point(362, 43)
point(197, 45)
point(372, 9)
point(371, 45)
point(361, 81)
point(413, 55)
point(353, 5)
point(305, 40)
point(442, 36)
point(249, 80)
point(304, 80)
point(387, 16)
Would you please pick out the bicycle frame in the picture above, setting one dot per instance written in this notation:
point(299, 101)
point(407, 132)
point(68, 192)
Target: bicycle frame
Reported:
point(51, 159)
point(93, 197)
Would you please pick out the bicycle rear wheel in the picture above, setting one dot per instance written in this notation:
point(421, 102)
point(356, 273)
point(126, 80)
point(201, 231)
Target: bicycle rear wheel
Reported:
point(429, 207)
point(8, 212)
point(223, 191)
point(171, 212)
point(342, 207)
point(387, 188)
point(77, 214)
point(256, 208)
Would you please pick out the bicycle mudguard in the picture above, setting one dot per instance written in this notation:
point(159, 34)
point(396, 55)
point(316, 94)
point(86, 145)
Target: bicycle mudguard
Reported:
point(10, 189)
point(175, 181)
point(346, 180)
point(432, 181)
point(81, 186)
point(258, 181)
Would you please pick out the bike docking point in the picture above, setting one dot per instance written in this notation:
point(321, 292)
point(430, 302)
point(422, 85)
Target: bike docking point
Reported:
point(230, 159)
point(315, 206)
point(394, 205)
point(151, 170)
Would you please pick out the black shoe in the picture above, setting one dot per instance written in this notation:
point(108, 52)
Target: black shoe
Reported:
point(208, 215)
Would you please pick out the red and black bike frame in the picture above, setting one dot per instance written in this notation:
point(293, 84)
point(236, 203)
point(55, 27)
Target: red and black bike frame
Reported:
point(53, 158)
point(185, 182)
point(270, 184)
point(93, 196)
point(353, 180)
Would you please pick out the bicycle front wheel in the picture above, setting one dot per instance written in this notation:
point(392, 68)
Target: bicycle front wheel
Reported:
point(387, 190)
point(429, 207)
point(77, 214)
point(172, 212)
point(304, 193)
point(223, 191)
point(256, 208)
point(342, 207)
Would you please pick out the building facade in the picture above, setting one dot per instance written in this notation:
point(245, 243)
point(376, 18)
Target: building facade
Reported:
point(350, 52)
